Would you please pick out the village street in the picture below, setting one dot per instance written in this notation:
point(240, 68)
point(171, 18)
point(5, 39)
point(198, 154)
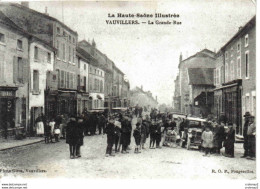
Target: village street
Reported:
point(52, 160)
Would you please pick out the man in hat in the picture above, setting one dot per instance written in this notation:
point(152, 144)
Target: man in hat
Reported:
point(246, 124)
point(251, 138)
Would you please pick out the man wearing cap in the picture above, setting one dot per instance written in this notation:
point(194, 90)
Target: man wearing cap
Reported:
point(246, 124)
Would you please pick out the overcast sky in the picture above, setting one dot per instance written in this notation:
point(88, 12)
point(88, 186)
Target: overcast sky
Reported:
point(149, 54)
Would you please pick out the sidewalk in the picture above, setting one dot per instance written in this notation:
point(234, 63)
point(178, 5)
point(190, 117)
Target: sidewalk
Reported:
point(12, 143)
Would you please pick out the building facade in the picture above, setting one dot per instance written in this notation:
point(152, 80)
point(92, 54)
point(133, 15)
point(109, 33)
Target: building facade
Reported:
point(238, 60)
point(41, 59)
point(14, 70)
point(142, 98)
point(202, 59)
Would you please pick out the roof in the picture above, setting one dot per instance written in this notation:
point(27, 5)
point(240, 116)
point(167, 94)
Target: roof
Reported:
point(200, 76)
point(6, 21)
point(84, 42)
point(202, 53)
point(41, 14)
point(248, 25)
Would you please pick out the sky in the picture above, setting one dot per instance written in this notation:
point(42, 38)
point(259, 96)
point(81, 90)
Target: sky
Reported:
point(149, 54)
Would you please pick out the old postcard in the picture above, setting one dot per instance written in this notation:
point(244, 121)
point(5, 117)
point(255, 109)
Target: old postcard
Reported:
point(128, 90)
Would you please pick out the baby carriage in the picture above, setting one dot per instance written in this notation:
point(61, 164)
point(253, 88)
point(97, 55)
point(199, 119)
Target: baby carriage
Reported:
point(171, 139)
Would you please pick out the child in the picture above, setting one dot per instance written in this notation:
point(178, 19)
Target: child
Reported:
point(137, 136)
point(207, 137)
point(153, 128)
point(56, 132)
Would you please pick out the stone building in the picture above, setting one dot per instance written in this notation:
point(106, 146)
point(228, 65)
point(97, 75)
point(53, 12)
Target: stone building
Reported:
point(14, 71)
point(142, 98)
point(238, 89)
point(63, 81)
point(41, 59)
point(83, 100)
point(202, 59)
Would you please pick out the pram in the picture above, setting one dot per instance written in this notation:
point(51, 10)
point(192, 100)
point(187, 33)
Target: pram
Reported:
point(171, 139)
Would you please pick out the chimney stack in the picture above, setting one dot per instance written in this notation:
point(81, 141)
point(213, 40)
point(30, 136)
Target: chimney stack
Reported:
point(180, 58)
point(46, 11)
point(240, 27)
point(25, 4)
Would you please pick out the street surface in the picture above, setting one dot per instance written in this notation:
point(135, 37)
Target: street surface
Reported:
point(173, 163)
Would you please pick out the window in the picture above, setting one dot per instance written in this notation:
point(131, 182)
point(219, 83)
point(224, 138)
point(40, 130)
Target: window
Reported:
point(238, 67)
point(20, 69)
point(35, 80)
point(85, 83)
point(69, 54)
point(64, 34)
point(2, 38)
point(58, 74)
point(226, 72)
point(85, 66)
point(231, 70)
point(19, 44)
point(62, 75)
point(63, 50)
point(58, 30)
point(73, 40)
point(247, 103)
point(247, 64)
point(69, 38)
point(238, 47)
point(215, 77)
point(246, 40)
point(58, 49)
point(68, 80)
point(48, 57)
point(36, 55)
point(78, 80)
point(101, 86)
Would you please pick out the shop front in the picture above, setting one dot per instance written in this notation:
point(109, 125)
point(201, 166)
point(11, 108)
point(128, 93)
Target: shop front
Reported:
point(82, 103)
point(233, 103)
point(67, 103)
point(7, 110)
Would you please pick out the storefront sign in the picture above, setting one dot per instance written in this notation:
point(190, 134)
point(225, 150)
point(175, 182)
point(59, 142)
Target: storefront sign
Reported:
point(7, 93)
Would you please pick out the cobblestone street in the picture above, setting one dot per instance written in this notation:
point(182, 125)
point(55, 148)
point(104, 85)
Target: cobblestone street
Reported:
point(52, 160)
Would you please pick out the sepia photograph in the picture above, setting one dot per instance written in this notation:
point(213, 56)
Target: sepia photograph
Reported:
point(128, 90)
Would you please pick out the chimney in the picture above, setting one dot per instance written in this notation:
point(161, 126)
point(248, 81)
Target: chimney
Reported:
point(180, 58)
point(46, 11)
point(25, 4)
point(239, 28)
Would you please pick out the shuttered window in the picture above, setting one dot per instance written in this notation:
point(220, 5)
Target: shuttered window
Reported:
point(35, 80)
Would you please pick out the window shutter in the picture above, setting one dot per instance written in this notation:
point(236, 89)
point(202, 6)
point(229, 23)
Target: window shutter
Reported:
point(25, 70)
point(15, 69)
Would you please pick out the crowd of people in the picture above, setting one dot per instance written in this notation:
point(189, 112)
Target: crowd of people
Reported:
point(153, 125)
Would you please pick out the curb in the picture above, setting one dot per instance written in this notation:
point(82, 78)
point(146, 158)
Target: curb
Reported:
point(9, 148)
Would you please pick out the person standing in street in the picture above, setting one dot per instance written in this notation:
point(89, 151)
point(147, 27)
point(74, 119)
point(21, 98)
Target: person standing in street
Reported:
point(129, 131)
point(101, 123)
point(153, 128)
point(246, 125)
point(251, 138)
point(230, 141)
point(110, 131)
point(219, 136)
point(117, 134)
point(137, 136)
point(143, 135)
point(80, 130)
point(207, 137)
point(124, 135)
point(72, 136)
point(158, 133)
